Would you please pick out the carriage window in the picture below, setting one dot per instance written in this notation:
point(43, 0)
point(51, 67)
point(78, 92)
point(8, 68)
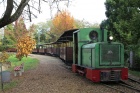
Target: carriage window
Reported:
point(93, 35)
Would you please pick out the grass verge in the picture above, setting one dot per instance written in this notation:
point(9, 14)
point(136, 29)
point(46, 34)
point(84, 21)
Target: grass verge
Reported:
point(29, 63)
point(135, 73)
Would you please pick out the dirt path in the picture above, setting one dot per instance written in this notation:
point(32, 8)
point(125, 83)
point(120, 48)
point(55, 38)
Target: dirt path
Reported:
point(51, 76)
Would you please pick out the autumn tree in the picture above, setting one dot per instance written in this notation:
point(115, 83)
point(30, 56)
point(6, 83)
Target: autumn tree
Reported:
point(11, 10)
point(4, 56)
point(25, 45)
point(25, 42)
point(11, 33)
point(62, 21)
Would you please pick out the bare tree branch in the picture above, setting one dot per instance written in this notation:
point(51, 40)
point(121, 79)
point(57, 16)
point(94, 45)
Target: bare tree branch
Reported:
point(7, 18)
point(39, 8)
point(45, 1)
point(14, 8)
point(34, 8)
point(29, 13)
point(15, 3)
point(19, 10)
point(9, 9)
point(2, 1)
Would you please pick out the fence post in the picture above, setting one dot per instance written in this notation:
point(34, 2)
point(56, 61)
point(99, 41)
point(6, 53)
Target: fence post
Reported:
point(1, 76)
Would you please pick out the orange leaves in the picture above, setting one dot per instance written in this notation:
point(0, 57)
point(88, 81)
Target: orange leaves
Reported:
point(25, 45)
point(62, 22)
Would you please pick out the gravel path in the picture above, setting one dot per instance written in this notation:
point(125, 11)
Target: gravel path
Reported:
point(51, 76)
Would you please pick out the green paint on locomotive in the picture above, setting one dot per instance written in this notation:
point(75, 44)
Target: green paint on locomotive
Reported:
point(102, 55)
point(96, 53)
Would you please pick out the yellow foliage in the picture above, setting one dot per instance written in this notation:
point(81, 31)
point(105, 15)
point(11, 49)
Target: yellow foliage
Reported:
point(62, 21)
point(4, 56)
point(25, 45)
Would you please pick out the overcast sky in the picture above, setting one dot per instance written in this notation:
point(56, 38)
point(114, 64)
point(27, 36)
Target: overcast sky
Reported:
point(92, 11)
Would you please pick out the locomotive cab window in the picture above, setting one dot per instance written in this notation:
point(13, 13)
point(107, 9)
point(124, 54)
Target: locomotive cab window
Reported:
point(93, 35)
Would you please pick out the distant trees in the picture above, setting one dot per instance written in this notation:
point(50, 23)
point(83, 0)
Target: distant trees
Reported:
point(8, 40)
point(52, 29)
point(49, 31)
point(84, 23)
point(41, 32)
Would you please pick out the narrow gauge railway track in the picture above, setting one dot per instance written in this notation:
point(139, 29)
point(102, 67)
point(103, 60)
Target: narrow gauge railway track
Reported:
point(134, 80)
point(121, 87)
point(114, 87)
point(131, 85)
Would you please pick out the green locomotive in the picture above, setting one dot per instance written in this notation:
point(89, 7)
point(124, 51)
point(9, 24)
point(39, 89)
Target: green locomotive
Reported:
point(97, 57)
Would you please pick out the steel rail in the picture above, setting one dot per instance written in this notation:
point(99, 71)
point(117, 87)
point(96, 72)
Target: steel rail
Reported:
point(128, 86)
point(113, 88)
point(134, 80)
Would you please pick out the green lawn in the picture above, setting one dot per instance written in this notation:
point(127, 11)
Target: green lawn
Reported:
point(29, 63)
point(135, 73)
